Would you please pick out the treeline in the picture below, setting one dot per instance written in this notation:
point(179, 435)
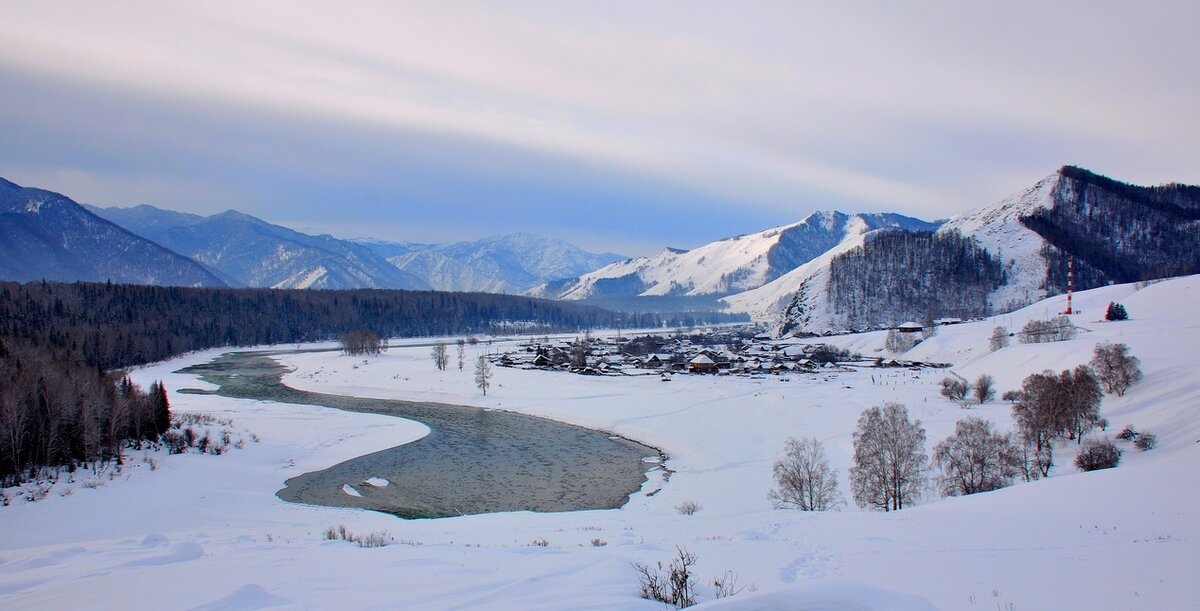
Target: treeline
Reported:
point(898, 276)
point(115, 326)
point(1117, 232)
point(59, 413)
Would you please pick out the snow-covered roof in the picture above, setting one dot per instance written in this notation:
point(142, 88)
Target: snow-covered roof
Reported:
point(702, 359)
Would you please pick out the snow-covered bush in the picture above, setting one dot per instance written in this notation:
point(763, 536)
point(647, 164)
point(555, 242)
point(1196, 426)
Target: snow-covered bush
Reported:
point(375, 539)
point(676, 587)
point(1146, 441)
point(688, 508)
point(1128, 433)
point(1098, 454)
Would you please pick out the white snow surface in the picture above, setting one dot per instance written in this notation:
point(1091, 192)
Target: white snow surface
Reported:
point(766, 302)
point(726, 266)
point(998, 229)
point(207, 532)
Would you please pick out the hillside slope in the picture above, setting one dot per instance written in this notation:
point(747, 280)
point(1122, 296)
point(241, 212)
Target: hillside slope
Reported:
point(46, 235)
point(732, 265)
point(248, 251)
point(1017, 252)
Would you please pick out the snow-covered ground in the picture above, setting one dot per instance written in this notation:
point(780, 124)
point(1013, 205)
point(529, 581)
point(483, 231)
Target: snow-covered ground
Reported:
point(207, 532)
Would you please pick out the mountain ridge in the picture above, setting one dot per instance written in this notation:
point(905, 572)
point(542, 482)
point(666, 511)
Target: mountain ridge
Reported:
point(49, 236)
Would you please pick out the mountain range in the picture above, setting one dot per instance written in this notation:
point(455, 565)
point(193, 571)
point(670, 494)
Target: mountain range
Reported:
point(831, 271)
point(1000, 257)
point(45, 235)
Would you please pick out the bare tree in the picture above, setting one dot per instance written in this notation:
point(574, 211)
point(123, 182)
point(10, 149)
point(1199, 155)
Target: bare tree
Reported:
point(897, 342)
point(462, 353)
point(976, 459)
point(1116, 369)
point(999, 338)
point(361, 341)
point(804, 478)
point(441, 356)
point(1057, 329)
point(1052, 407)
point(955, 389)
point(890, 463)
point(985, 388)
point(483, 374)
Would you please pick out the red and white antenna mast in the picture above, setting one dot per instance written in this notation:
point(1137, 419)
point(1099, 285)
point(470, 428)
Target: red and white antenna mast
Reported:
point(1070, 283)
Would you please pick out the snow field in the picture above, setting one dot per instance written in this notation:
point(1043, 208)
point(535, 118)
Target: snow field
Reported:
point(207, 532)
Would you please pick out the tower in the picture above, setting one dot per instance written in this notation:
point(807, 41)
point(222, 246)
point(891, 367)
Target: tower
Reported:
point(1070, 283)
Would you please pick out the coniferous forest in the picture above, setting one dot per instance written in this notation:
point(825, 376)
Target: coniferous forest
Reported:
point(64, 403)
point(115, 326)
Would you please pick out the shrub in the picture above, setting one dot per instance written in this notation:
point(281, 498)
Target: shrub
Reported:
point(1128, 433)
point(688, 508)
point(341, 533)
point(654, 585)
point(1098, 454)
point(1146, 441)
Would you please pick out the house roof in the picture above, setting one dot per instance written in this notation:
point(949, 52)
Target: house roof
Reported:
point(702, 359)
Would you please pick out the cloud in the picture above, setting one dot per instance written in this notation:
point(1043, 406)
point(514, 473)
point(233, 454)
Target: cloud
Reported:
point(778, 109)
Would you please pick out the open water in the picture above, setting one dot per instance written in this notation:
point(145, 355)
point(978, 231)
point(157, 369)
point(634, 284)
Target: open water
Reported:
point(473, 461)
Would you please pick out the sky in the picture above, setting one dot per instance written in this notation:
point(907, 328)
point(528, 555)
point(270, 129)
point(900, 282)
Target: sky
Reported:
point(619, 126)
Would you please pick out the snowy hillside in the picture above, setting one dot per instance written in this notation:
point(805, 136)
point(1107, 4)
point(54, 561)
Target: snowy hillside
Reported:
point(1015, 252)
point(207, 531)
point(734, 264)
point(47, 236)
point(766, 301)
point(247, 251)
point(999, 230)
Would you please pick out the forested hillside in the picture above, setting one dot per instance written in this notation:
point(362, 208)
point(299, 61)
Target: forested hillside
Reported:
point(1117, 232)
point(898, 276)
point(113, 326)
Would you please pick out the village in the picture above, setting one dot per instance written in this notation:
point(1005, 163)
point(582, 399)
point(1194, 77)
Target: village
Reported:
point(744, 350)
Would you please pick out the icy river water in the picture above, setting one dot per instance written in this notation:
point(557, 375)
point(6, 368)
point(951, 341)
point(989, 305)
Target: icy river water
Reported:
point(473, 460)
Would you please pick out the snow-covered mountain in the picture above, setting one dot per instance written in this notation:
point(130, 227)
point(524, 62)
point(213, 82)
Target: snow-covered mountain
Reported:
point(999, 257)
point(247, 251)
point(45, 235)
point(512, 263)
point(729, 266)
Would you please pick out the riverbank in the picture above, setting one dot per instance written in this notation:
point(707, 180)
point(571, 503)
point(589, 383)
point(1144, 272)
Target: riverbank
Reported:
point(208, 532)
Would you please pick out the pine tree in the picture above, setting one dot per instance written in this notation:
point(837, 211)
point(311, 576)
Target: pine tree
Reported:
point(1116, 311)
point(161, 408)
